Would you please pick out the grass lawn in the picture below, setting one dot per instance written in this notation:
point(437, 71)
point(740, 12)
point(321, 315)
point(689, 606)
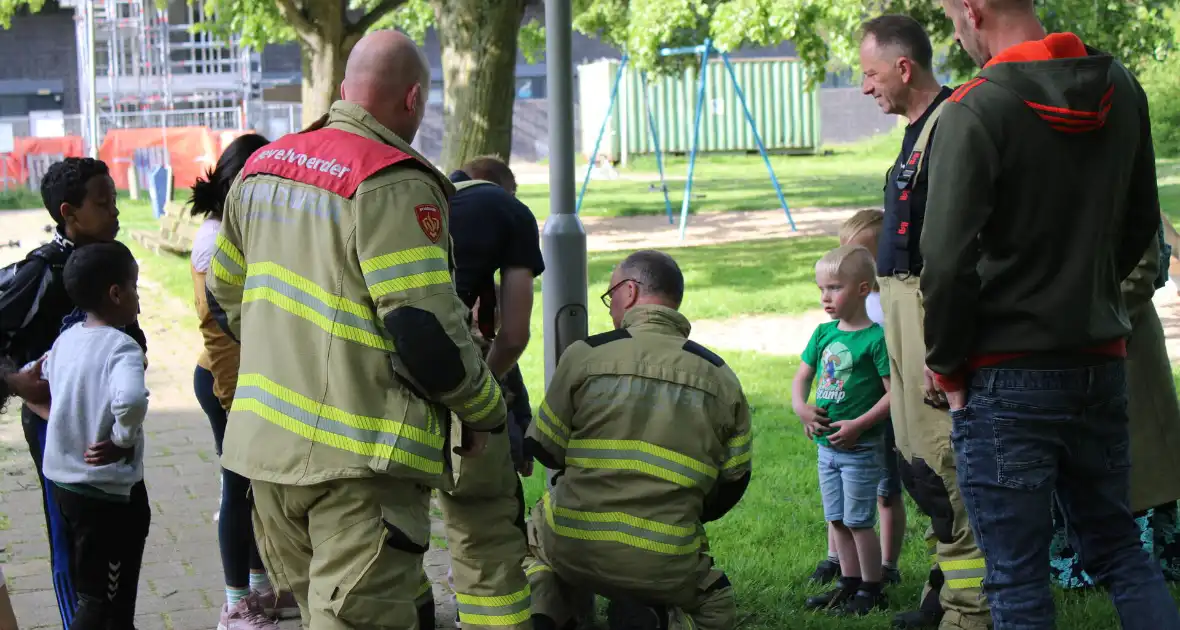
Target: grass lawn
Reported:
point(19, 198)
point(772, 540)
point(851, 176)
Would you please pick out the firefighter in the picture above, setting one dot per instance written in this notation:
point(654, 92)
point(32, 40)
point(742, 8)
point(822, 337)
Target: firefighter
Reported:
point(649, 433)
point(334, 270)
point(896, 58)
point(484, 514)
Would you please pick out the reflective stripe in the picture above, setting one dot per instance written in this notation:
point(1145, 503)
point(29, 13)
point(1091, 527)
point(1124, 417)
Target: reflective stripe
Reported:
point(228, 263)
point(552, 426)
point(495, 610)
point(639, 456)
point(622, 528)
point(323, 424)
point(964, 574)
point(483, 403)
point(408, 269)
point(738, 451)
point(536, 568)
point(425, 593)
point(290, 292)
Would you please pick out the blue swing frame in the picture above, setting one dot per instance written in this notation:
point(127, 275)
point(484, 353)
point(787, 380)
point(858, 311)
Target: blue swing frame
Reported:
point(704, 50)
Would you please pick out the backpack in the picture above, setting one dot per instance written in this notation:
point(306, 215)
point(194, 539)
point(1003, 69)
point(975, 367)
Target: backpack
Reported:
point(20, 296)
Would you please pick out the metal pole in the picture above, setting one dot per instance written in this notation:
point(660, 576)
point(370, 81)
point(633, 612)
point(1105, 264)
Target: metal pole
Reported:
point(757, 138)
point(563, 240)
point(655, 140)
point(91, 78)
point(696, 136)
point(614, 94)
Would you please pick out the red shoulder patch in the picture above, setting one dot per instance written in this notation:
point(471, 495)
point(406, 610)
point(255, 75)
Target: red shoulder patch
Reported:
point(430, 220)
point(330, 159)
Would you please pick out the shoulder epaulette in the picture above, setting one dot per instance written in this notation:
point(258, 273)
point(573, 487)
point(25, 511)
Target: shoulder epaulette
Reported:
point(693, 347)
point(604, 338)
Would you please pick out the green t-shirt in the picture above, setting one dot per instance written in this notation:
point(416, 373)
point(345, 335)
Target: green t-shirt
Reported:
point(849, 366)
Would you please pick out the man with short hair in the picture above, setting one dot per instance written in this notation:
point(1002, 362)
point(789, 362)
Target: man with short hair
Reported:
point(896, 57)
point(1043, 199)
point(493, 233)
point(650, 436)
point(334, 269)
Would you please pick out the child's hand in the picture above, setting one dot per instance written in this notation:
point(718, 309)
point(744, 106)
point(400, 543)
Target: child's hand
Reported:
point(846, 435)
point(106, 452)
point(815, 420)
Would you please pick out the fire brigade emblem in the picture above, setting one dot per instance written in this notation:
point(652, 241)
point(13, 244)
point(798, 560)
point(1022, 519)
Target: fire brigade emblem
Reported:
point(430, 220)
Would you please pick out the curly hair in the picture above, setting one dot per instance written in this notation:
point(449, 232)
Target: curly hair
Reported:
point(65, 182)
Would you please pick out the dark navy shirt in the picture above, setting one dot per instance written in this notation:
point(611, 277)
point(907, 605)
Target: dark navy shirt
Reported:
point(887, 252)
point(492, 231)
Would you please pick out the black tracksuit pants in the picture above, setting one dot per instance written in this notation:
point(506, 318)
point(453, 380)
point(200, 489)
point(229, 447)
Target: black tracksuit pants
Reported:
point(107, 539)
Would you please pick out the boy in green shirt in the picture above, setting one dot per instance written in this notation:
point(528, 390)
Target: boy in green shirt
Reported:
point(848, 423)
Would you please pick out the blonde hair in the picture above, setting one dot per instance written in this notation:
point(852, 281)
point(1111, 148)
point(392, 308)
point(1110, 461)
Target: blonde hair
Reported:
point(853, 263)
point(871, 220)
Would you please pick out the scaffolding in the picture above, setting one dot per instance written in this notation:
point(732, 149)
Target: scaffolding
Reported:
point(143, 66)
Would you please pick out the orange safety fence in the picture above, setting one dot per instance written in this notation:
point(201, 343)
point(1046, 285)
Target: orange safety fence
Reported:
point(15, 169)
point(192, 151)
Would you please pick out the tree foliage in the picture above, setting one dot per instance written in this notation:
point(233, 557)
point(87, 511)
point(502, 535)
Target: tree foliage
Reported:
point(1136, 32)
point(825, 34)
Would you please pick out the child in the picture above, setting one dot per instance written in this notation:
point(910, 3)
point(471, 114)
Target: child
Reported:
point(94, 446)
point(79, 195)
point(848, 423)
point(864, 229)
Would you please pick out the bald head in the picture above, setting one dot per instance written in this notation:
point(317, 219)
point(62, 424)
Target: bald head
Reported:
point(388, 75)
point(984, 28)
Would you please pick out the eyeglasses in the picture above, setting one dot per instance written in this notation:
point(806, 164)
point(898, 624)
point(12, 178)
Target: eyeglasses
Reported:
point(608, 296)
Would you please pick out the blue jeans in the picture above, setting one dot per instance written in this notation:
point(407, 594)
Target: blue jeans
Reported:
point(848, 481)
point(1027, 438)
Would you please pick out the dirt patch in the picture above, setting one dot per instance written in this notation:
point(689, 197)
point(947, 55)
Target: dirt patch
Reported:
point(783, 335)
point(630, 233)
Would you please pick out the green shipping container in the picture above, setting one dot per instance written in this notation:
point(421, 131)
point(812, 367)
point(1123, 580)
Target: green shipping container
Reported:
point(785, 111)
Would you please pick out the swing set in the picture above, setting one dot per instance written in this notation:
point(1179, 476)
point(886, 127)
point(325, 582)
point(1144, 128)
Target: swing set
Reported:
point(705, 51)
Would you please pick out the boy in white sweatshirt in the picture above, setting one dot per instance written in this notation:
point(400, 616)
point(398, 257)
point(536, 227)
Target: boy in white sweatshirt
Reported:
point(94, 444)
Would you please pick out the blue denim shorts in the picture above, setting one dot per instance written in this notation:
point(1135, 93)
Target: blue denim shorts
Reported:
point(848, 481)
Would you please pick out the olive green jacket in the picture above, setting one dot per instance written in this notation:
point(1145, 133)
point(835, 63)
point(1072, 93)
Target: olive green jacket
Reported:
point(652, 434)
point(1151, 393)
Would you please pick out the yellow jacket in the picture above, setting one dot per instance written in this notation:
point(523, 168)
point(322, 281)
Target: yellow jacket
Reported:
point(334, 270)
point(648, 429)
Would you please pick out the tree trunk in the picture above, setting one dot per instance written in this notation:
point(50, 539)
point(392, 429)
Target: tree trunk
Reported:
point(479, 42)
point(325, 41)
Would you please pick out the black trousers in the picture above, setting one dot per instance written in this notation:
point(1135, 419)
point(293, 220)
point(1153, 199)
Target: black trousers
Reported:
point(107, 540)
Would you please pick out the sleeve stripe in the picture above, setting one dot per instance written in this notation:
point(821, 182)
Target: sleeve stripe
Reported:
point(230, 250)
point(406, 270)
point(738, 451)
point(416, 281)
point(553, 428)
point(404, 257)
point(486, 400)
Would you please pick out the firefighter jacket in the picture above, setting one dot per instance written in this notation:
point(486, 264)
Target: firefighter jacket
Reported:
point(651, 433)
point(333, 269)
